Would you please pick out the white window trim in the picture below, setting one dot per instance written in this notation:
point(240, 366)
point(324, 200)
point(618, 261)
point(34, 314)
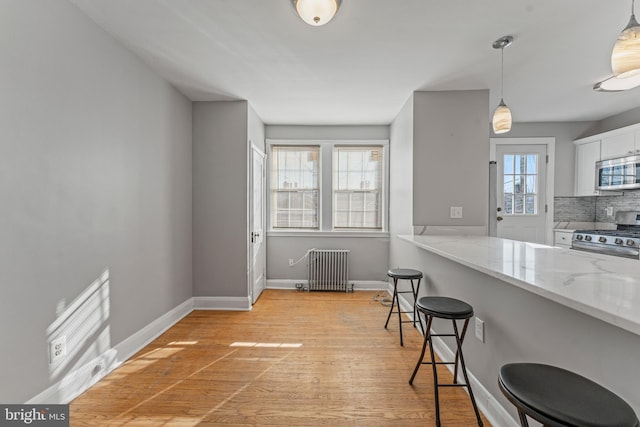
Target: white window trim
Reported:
point(326, 219)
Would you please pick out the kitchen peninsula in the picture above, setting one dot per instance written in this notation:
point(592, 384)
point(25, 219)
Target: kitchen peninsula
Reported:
point(572, 309)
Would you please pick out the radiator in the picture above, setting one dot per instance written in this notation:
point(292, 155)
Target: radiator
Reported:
point(328, 269)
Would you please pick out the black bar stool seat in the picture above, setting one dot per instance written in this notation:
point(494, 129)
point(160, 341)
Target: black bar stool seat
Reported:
point(557, 397)
point(404, 274)
point(454, 310)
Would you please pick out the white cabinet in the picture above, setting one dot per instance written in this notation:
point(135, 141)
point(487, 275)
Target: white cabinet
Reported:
point(587, 155)
point(562, 238)
point(623, 144)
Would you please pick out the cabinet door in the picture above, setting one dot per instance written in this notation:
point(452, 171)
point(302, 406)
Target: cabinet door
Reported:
point(586, 157)
point(618, 145)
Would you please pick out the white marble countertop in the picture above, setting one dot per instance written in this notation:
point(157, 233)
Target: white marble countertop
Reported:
point(602, 286)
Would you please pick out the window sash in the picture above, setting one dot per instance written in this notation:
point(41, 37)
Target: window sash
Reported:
point(295, 189)
point(358, 187)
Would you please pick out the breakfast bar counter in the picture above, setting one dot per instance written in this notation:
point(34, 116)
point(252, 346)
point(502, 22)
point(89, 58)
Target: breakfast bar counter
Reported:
point(602, 286)
point(533, 303)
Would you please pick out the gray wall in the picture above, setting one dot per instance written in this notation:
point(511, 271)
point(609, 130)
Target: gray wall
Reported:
point(564, 133)
point(220, 204)
point(401, 180)
point(450, 157)
point(95, 179)
point(617, 121)
point(369, 255)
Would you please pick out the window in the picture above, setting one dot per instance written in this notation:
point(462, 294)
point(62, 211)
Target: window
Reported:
point(357, 187)
point(328, 186)
point(520, 184)
point(294, 186)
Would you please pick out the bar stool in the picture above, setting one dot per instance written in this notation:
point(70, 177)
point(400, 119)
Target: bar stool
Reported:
point(404, 274)
point(557, 397)
point(452, 309)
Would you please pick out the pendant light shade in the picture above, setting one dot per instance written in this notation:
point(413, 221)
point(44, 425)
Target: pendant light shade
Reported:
point(502, 116)
point(316, 12)
point(625, 58)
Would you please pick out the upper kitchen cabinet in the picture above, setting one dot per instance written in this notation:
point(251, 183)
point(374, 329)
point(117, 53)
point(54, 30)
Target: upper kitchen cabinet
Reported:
point(607, 145)
point(587, 154)
point(620, 144)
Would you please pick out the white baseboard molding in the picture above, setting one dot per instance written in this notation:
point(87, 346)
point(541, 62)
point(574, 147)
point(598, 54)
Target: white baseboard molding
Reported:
point(487, 403)
point(79, 380)
point(358, 285)
point(222, 303)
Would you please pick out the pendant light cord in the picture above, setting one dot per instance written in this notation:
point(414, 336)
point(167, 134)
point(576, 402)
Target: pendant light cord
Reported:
point(502, 75)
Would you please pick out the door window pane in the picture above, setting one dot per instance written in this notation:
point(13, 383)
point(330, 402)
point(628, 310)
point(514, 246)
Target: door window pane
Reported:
point(520, 184)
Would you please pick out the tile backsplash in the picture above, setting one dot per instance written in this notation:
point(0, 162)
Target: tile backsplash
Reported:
point(593, 209)
point(574, 209)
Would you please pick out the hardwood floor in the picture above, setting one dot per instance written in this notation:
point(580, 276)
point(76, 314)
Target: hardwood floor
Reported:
point(298, 358)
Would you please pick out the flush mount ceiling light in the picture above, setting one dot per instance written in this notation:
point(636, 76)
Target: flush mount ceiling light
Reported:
point(316, 12)
point(502, 116)
point(614, 84)
point(625, 58)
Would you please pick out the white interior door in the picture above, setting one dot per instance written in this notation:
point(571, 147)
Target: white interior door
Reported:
point(257, 220)
point(521, 192)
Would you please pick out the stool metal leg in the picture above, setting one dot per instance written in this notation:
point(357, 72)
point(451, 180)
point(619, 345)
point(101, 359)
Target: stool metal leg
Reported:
point(435, 376)
point(395, 302)
point(416, 314)
point(464, 331)
point(523, 419)
point(424, 348)
point(428, 340)
point(464, 368)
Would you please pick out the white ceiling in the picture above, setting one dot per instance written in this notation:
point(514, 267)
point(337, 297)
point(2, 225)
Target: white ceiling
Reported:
point(362, 67)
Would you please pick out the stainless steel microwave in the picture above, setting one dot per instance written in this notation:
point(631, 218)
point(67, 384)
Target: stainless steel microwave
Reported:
point(618, 174)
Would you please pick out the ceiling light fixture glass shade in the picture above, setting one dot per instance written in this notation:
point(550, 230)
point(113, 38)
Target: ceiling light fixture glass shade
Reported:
point(316, 12)
point(625, 58)
point(502, 116)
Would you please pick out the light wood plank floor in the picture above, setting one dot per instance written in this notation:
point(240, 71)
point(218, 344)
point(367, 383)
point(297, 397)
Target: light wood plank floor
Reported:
point(298, 358)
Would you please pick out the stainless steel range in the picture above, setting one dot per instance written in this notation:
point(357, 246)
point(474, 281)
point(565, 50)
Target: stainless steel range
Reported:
point(623, 242)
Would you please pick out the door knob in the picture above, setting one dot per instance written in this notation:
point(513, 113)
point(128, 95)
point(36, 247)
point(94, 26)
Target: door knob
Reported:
point(499, 209)
point(499, 218)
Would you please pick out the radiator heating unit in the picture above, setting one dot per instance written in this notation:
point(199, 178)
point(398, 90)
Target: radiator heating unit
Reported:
point(328, 269)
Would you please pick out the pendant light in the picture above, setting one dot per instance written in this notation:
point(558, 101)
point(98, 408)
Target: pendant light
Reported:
point(502, 116)
point(316, 12)
point(625, 58)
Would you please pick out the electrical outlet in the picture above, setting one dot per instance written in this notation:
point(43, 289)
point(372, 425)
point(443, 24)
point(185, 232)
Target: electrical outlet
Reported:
point(479, 329)
point(456, 212)
point(57, 349)
point(291, 262)
point(609, 211)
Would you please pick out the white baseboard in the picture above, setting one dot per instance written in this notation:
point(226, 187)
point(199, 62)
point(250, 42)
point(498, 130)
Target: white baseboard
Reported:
point(222, 303)
point(487, 403)
point(153, 330)
point(358, 285)
point(79, 380)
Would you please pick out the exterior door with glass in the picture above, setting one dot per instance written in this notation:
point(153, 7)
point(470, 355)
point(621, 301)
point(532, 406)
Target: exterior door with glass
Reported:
point(521, 192)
